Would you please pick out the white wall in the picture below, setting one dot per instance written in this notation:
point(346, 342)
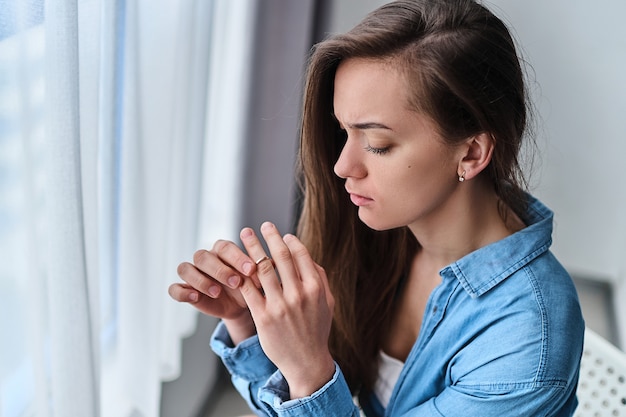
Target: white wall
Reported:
point(344, 14)
point(577, 56)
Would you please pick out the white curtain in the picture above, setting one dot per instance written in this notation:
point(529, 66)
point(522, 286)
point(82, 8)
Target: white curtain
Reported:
point(105, 175)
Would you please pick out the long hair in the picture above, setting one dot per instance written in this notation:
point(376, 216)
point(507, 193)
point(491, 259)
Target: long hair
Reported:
point(464, 73)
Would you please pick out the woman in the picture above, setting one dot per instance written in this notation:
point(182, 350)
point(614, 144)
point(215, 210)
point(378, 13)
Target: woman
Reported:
point(421, 283)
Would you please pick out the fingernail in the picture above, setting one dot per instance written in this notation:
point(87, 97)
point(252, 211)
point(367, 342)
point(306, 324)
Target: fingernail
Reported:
point(233, 281)
point(246, 232)
point(247, 268)
point(193, 297)
point(266, 226)
point(214, 291)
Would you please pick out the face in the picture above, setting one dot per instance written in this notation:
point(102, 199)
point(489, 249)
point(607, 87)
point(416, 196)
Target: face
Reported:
point(397, 169)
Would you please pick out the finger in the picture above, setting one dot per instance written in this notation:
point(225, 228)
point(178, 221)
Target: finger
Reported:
point(219, 307)
point(218, 262)
point(206, 304)
point(282, 257)
point(183, 293)
point(198, 280)
point(264, 267)
point(234, 256)
point(312, 275)
point(301, 258)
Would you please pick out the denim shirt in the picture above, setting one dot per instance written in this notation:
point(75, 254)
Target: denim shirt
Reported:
point(502, 335)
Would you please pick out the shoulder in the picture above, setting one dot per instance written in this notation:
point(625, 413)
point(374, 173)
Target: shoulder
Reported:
point(527, 329)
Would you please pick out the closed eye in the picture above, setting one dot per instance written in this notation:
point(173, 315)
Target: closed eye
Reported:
point(377, 151)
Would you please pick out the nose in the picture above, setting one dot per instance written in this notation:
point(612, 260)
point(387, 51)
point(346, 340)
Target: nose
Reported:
point(349, 163)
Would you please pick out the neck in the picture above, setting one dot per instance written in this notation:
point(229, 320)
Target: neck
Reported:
point(468, 220)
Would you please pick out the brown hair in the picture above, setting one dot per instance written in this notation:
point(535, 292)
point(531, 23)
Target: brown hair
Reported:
point(461, 63)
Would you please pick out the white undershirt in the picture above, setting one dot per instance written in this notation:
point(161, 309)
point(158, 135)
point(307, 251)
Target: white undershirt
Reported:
point(388, 372)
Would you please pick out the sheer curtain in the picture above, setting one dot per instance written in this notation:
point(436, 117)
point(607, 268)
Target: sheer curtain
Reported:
point(103, 116)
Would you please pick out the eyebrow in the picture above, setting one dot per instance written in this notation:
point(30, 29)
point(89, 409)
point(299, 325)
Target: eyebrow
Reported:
point(368, 125)
point(362, 125)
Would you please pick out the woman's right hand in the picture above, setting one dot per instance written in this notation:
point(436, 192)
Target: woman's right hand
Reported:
point(211, 285)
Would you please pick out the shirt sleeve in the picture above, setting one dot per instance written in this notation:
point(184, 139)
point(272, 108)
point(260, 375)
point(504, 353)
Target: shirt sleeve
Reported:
point(265, 389)
point(332, 400)
point(545, 400)
point(247, 364)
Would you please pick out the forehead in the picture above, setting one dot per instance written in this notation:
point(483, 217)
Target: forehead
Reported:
point(376, 93)
point(367, 88)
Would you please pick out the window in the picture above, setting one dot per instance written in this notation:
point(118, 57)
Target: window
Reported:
point(135, 153)
point(21, 219)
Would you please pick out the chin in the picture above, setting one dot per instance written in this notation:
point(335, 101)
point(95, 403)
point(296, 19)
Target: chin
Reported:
point(377, 224)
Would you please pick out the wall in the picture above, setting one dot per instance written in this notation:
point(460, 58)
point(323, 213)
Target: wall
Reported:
point(344, 14)
point(200, 369)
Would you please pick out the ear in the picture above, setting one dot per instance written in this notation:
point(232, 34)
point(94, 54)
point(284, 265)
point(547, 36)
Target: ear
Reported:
point(476, 155)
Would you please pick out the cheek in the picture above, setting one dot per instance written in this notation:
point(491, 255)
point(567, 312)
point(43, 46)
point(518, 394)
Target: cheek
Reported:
point(400, 182)
point(417, 178)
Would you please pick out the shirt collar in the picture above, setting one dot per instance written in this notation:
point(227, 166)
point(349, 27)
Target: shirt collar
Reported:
point(486, 267)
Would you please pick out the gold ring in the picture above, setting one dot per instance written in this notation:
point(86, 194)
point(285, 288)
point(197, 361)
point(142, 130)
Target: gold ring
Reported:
point(265, 258)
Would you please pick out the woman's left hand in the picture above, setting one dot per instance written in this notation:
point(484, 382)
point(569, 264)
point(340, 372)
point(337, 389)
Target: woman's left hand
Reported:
point(294, 315)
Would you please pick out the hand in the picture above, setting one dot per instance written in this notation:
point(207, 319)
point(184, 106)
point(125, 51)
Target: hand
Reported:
point(293, 317)
point(211, 285)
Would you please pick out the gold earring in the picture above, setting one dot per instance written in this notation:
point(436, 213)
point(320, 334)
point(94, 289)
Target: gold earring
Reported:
point(462, 177)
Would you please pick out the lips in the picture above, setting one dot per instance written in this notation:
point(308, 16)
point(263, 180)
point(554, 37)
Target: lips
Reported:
point(358, 199)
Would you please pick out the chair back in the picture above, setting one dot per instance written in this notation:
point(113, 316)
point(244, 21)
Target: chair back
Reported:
point(602, 385)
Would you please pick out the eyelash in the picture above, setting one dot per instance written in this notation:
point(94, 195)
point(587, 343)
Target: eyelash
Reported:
point(343, 134)
point(377, 151)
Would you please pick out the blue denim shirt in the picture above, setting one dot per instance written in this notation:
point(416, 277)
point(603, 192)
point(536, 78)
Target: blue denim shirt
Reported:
point(502, 336)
